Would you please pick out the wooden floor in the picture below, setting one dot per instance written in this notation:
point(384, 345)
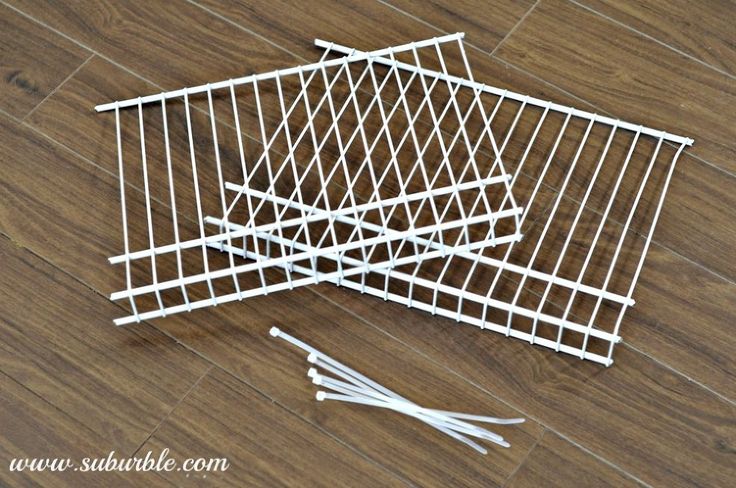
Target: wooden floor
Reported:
point(212, 383)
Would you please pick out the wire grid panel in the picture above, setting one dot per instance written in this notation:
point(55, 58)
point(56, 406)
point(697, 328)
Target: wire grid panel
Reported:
point(329, 171)
point(592, 189)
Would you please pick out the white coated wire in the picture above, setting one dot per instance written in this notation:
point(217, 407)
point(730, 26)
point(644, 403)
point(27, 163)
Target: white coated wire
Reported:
point(385, 173)
point(322, 127)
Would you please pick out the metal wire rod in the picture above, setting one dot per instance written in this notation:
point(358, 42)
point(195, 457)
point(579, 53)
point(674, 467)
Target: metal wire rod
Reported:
point(476, 257)
point(385, 268)
point(247, 231)
point(210, 275)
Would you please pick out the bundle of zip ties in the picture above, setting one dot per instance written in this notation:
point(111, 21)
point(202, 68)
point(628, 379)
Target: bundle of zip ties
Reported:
point(354, 387)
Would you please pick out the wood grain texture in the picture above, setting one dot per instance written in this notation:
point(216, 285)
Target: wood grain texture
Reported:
point(703, 30)
point(33, 62)
point(486, 24)
point(373, 25)
point(413, 451)
point(173, 44)
point(55, 341)
point(622, 72)
point(681, 326)
point(635, 414)
point(680, 319)
point(688, 223)
point(557, 462)
point(265, 444)
point(34, 428)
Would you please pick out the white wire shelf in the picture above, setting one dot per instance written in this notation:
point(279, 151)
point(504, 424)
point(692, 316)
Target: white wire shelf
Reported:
point(338, 167)
point(592, 188)
point(472, 167)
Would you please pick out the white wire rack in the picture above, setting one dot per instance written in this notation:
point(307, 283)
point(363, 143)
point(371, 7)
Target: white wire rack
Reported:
point(592, 188)
point(327, 171)
point(589, 189)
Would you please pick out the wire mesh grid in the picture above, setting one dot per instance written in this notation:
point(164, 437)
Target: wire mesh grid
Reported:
point(324, 172)
point(592, 189)
point(589, 190)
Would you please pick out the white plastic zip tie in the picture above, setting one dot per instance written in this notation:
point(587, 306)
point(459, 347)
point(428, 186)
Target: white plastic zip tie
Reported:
point(340, 167)
point(410, 409)
point(354, 387)
point(567, 285)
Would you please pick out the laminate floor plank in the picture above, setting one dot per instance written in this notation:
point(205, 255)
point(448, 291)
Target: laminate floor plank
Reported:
point(33, 428)
point(174, 44)
point(236, 336)
point(57, 342)
point(701, 29)
point(34, 62)
point(486, 23)
point(642, 417)
point(628, 75)
point(264, 444)
point(557, 462)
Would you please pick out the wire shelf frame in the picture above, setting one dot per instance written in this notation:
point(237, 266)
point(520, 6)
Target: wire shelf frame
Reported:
point(324, 172)
point(589, 188)
point(592, 188)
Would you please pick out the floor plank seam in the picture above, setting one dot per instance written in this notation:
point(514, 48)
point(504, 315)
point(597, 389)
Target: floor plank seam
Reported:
point(516, 26)
point(52, 92)
point(688, 378)
point(652, 38)
point(481, 388)
point(172, 409)
point(75, 41)
point(418, 19)
point(524, 459)
point(304, 419)
point(604, 460)
point(11, 116)
point(43, 399)
point(245, 29)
